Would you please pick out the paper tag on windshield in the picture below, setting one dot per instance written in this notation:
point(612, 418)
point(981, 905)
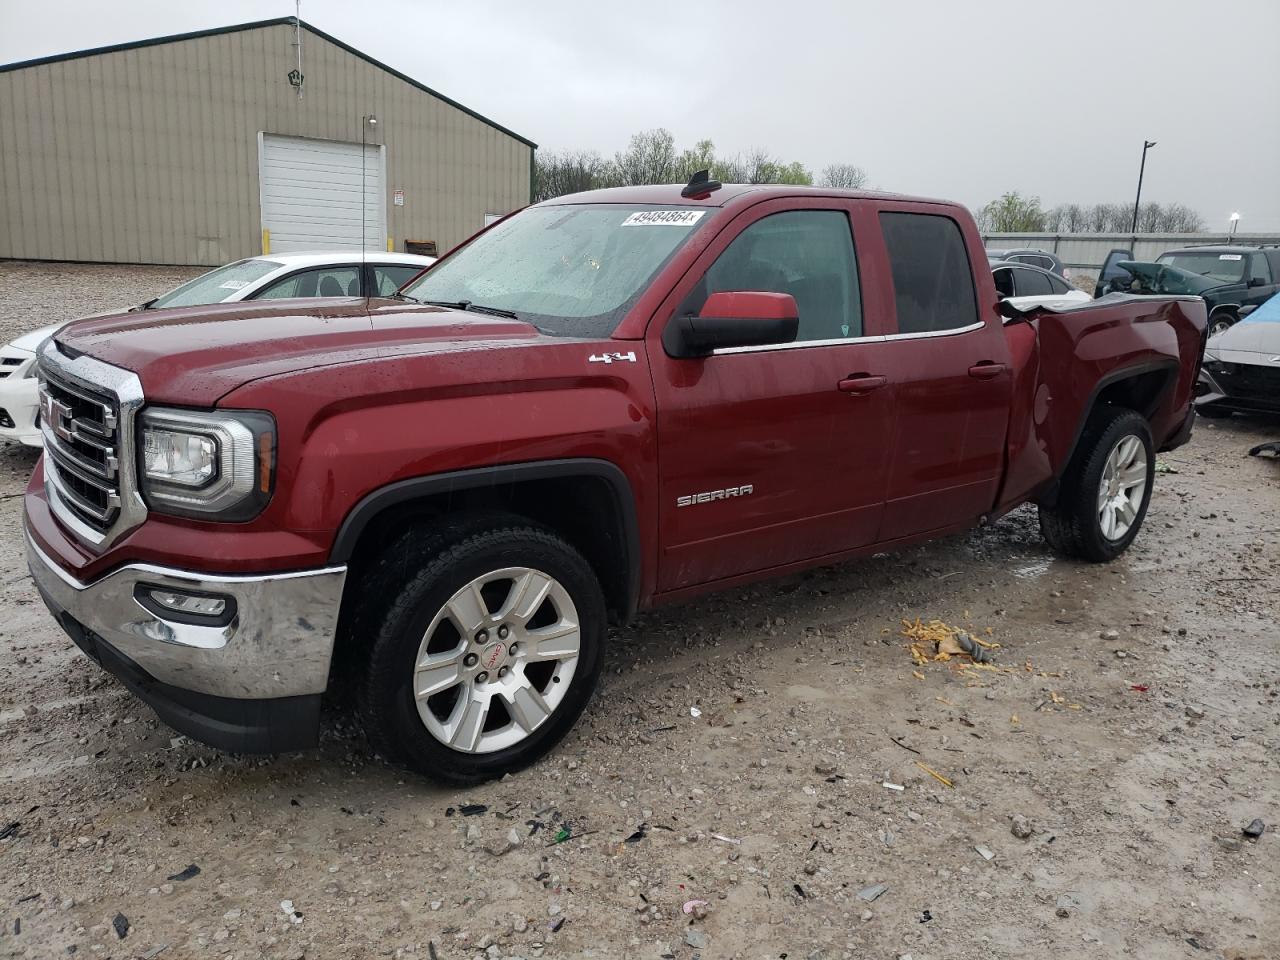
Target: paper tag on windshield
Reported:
point(1231, 256)
point(663, 218)
point(233, 285)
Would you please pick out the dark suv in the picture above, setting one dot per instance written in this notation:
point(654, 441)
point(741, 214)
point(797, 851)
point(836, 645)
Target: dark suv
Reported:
point(1230, 277)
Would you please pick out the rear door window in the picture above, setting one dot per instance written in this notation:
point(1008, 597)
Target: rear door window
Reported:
point(1260, 270)
point(932, 282)
point(1031, 283)
point(1058, 285)
point(1044, 263)
point(324, 282)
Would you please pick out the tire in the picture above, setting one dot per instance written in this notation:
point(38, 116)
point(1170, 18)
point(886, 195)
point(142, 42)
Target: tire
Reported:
point(1221, 322)
point(1077, 525)
point(494, 709)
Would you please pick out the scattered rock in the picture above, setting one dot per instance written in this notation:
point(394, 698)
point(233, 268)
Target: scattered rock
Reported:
point(1110, 635)
point(1194, 713)
point(1020, 827)
point(696, 939)
point(873, 892)
point(120, 925)
point(1254, 829)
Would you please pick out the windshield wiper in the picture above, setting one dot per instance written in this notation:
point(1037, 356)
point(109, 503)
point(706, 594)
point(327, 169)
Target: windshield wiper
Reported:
point(399, 295)
point(474, 307)
point(144, 306)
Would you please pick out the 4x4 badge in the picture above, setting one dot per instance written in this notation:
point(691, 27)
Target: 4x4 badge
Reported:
point(629, 357)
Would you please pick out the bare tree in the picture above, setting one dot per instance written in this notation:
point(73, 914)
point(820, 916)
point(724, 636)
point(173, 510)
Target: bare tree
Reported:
point(650, 157)
point(570, 171)
point(843, 176)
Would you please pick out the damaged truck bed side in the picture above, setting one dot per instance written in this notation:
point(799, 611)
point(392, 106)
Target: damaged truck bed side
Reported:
point(605, 402)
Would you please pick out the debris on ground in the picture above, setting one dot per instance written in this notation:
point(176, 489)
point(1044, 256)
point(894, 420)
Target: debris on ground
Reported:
point(186, 873)
point(984, 852)
point(693, 906)
point(294, 915)
point(891, 786)
point(1020, 827)
point(120, 924)
point(937, 642)
point(1254, 829)
point(873, 892)
point(935, 774)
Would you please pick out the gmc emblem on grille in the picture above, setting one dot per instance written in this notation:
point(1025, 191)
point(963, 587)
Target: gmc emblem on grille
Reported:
point(56, 414)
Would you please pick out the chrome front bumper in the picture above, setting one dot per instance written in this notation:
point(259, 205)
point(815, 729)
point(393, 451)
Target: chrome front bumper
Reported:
point(278, 644)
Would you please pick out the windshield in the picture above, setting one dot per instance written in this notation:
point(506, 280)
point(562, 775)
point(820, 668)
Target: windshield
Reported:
point(1223, 267)
point(1162, 278)
point(217, 285)
point(569, 270)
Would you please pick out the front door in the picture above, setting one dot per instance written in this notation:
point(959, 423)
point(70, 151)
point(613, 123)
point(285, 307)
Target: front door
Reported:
point(778, 454)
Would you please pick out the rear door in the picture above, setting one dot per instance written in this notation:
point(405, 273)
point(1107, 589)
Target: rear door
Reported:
point(1262, 285)
point(1111, 277)
point(949, 363)
point(778, 454)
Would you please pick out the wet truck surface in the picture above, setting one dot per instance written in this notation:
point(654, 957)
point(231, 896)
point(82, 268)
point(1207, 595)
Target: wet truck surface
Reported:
point(600, 404)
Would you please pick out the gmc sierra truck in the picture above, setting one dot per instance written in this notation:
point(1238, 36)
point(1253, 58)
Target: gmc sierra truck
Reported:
point(599, 404)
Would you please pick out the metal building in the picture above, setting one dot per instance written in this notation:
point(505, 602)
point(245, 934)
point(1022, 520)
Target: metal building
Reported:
point(271, 136)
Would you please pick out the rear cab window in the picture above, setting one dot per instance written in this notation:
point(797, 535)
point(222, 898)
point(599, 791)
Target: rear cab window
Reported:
point(933, 283)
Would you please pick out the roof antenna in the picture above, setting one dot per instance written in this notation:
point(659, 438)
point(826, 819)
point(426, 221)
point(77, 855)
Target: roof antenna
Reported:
point(700, 186)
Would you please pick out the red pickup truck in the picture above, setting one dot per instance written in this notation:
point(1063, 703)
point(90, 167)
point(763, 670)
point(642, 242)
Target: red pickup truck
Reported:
point(602, 403)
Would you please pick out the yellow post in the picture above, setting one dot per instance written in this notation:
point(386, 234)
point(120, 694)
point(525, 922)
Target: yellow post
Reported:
point(266, 241)
point(391, 245)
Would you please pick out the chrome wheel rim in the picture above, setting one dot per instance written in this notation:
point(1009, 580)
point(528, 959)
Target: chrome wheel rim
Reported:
point(1219, 327)
point(497, 660)
point(1123, 484)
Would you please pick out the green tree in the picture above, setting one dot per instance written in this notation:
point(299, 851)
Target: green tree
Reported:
point(1012, 213)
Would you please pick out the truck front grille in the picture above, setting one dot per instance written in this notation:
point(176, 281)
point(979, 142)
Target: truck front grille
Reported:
point(79, 428)
point(86, 414)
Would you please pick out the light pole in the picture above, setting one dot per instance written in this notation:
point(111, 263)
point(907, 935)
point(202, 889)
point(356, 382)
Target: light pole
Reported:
point(1146, 145)
point(1235, 218)
point(365, 123)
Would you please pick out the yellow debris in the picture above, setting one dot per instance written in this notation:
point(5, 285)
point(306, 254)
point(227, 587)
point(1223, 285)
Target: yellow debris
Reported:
point(917, 674)
point(1014, 719)
point(935, 774)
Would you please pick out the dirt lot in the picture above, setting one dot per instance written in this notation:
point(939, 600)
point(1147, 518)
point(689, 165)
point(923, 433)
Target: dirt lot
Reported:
point(1135, 729)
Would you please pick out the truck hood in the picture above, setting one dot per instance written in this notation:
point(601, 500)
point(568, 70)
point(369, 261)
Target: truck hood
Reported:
point(195, 355)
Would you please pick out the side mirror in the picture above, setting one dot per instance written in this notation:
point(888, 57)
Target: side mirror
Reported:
point(744, 318)
point(1257, 282)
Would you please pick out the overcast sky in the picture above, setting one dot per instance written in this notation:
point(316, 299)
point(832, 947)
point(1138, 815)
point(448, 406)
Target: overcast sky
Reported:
point(962, 99)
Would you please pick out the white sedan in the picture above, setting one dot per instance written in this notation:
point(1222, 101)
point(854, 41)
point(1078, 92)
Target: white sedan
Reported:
point(273, 277)
point(1026, 286)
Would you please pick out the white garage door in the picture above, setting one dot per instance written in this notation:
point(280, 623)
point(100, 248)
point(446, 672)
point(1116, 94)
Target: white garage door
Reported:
point(311, 194)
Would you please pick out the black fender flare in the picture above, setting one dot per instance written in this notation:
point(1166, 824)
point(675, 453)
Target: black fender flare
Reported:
point(502, 475)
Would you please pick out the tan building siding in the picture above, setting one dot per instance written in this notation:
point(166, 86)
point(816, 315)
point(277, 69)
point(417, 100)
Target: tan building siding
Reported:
point(150, 154)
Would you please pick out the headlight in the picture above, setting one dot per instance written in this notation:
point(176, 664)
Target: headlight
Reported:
point(207, 465)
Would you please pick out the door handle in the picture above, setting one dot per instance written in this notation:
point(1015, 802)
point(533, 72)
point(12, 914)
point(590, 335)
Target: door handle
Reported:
point(986, 370)
point(863, 383)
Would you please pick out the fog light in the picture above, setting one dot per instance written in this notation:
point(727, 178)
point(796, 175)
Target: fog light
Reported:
point(197, 608)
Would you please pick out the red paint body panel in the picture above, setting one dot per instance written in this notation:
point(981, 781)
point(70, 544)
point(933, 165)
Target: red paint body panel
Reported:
point(847, 446)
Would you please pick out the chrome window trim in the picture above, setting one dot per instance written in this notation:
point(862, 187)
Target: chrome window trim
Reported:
point(85, 373)
point(795, 345)
point(880, 338)
point(925, 334)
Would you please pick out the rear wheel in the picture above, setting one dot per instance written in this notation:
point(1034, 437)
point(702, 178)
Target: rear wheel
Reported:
point(1106, 489)
point(486, 647)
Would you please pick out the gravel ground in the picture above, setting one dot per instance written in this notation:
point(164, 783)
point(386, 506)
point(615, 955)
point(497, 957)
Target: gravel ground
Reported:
point(1089, 802)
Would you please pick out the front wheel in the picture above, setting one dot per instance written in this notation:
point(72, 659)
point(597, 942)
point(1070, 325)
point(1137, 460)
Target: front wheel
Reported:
point(1221, 323)
point(1106, 489)
point(485, 651)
